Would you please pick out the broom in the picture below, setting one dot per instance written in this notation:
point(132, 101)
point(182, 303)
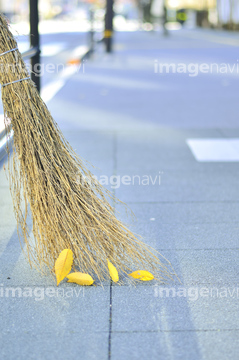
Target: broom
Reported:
point(48, 180)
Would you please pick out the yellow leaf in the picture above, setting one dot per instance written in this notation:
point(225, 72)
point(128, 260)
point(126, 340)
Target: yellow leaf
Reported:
point(80, 278)
point(113, 272)
point(142, 275)
point(63, 265)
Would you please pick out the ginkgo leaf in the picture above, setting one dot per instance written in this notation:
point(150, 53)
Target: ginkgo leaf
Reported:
point(142, 275)
point(113, 272)
point(63, 265)
point(80, 278)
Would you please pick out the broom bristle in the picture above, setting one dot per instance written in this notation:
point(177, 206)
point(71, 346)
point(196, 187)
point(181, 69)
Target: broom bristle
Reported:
point(68, 207)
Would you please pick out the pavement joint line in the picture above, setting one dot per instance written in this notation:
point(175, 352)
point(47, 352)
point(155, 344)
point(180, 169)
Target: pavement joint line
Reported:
point(178, 285)
point(142, 331)
point(214, 249)
point(185, 284)
point(110, 324)
point(111, 283)
point(170, 331)
point(184, 202)
point(199, 223)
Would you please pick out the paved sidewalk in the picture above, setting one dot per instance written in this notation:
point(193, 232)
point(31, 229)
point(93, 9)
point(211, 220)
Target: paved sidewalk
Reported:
point(127, 120)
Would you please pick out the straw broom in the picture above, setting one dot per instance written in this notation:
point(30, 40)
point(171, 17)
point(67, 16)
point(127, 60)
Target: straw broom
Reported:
point(48, 181)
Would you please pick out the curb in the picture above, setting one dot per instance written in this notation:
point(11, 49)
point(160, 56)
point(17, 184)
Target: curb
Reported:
point(79, 54)
point(3, 144)
point(2, 138)
point(82, 52)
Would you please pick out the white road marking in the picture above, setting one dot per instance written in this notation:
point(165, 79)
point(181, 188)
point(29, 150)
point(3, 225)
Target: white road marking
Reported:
point(2, 126)
point(79, 51)
point(50, 49)
point(3, 141)
point(215, 150)
point(51, 89)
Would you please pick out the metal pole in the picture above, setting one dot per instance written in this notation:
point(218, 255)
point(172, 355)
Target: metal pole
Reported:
point(165, 30)
point(91, 30)
point(34, 41)
point(109, 25)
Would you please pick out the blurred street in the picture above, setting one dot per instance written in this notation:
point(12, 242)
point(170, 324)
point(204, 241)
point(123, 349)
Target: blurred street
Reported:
point(163, 111)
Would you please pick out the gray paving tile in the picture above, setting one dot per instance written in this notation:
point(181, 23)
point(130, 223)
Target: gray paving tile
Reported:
point(16, 270)
point(7, 215)
point(187, 236)
point(192, 266)
point(205, 266)
point(142, 309)
point(5, 196)
point(198, 267)
point(94, 147)
point(4, 183)
point(54, 310)
point(6, 233)
point(186, 345)
point(72, 343)
point(158, 184)
point(186, 212)
point(158, 149)
point(165, 154)
point(161, 226)
point(92, 118)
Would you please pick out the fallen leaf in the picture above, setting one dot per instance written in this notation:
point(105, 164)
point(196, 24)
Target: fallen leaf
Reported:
point(80, 278)
point(142, 275)
point(73, 62)
point(113, 272)
point(63, 265)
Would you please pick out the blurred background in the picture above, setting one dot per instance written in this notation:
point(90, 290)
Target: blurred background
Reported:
point(130, 14)
point(141, 35)
point(120, 48)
